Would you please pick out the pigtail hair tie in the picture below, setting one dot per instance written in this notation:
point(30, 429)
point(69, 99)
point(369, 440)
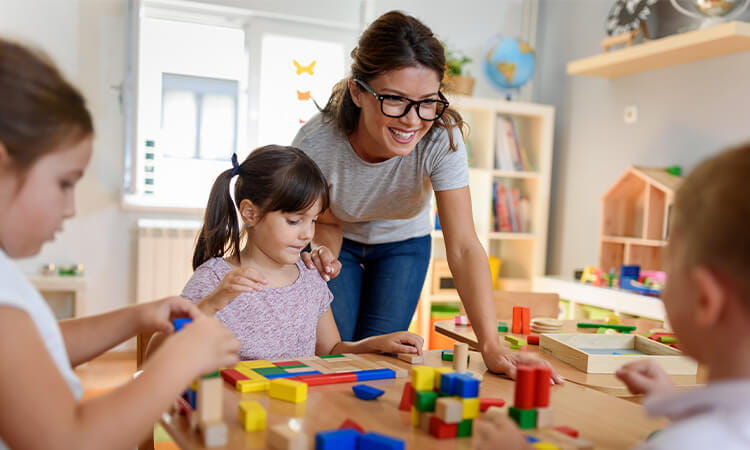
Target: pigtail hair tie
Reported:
point(235, 165)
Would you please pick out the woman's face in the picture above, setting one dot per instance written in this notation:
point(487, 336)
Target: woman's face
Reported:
point(379, 137)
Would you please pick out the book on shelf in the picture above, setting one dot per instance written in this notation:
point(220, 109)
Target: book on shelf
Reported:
point(509, 154)
point(510, 209)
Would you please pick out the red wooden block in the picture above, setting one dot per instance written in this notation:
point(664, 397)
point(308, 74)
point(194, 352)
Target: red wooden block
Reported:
point(231, 376)
point(524, 398)
point(517, 319)
point(525, 320)
point(542, 386)
point(572, 432)
point(675, 346)
point(288, 363)
point(331, 378)
point(349, 423)
point(407, 397)
point(532, 339)
point(442, 430)
point(485, 403)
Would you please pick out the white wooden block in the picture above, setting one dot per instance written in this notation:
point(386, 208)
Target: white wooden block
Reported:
point(544, 417)
point(214, 433)
point(449, 409)
point(460, 356)
point(411, 358)
point(209, 399)
point(283, 437)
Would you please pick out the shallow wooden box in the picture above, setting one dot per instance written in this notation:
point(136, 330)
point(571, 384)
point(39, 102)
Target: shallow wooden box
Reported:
point(587, 352)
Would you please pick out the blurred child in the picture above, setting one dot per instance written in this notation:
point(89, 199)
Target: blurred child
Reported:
point(707, 298)
point(263, 291)
point(45, 145)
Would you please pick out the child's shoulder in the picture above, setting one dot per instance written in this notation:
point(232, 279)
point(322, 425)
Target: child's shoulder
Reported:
point(213, 267)
point(309, 275)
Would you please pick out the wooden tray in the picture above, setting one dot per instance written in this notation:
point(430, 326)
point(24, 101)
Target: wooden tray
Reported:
point(604, 353)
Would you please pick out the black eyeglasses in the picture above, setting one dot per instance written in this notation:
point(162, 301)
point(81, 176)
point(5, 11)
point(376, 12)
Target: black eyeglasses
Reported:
point(397, 106)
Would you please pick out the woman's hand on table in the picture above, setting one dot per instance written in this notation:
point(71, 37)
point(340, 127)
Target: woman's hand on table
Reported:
point(322, 258)
point(499, 361)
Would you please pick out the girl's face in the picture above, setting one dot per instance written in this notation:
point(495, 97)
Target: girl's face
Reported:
point(281, 236)
point(36, 203)
point(379, 137)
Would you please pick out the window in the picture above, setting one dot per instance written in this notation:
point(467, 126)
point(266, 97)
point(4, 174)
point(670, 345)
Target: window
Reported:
point(213, 80)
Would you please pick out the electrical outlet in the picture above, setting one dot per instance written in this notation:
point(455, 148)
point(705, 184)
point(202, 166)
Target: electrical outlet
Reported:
point(630, 115)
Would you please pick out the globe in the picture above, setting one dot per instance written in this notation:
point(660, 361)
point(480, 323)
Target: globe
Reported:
point(508, 64)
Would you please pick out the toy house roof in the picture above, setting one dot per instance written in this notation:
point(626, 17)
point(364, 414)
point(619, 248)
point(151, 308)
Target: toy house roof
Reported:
point(655, 176)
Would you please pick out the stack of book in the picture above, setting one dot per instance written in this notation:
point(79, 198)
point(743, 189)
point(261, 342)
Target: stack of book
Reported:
point(510, 209)
point(509, 154)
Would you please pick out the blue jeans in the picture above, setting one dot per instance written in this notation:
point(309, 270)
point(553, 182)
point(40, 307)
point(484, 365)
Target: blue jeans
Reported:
point(379, 286)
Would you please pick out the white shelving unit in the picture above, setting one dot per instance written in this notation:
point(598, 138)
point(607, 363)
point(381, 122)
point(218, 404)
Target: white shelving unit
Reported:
point(523, 255)
point(618, 300)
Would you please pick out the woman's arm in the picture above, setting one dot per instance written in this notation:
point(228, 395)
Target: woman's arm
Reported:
point(471, 275)
point(329, 234)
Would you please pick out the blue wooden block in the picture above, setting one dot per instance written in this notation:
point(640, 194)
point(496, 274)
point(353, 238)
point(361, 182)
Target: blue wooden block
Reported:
point(448, 383)
point(344, 439)
point(375, 441)
point(366, 392)
point(374, 374)
point(271, 376)
point(192, 398)
point(466, 386)
point(179, 323)
point(531, 439)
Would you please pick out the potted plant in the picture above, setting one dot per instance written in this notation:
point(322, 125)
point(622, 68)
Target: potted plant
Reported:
point(456, 80)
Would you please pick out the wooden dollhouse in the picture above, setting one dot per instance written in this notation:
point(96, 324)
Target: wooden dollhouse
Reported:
point(635, 218)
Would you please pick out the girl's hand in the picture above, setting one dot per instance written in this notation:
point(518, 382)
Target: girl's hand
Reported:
point(158, 315)
point(498, 361)
point(205, 344)
point(645, 377)
point(322, 258)
point(493, 429)
point(399, 342)
point(237, 281)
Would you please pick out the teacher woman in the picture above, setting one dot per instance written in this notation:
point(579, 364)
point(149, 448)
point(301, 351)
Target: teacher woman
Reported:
point(386, 140)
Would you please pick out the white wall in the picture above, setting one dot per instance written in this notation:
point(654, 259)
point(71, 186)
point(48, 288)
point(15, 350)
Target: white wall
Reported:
point(686, 113)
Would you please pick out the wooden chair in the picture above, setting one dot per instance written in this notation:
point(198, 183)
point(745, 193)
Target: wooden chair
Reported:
point(541, 304)
point(141, 344)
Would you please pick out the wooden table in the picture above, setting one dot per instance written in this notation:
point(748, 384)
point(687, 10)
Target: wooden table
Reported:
point(606, 421)
point(607, 383)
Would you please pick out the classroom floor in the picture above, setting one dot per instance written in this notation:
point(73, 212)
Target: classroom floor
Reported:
point(108, 371)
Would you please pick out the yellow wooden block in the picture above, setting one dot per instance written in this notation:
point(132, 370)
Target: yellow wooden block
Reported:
point(439, 371)
point(194, 385)
point(542, 445)
point(250, 373)
point(255, 364)
point(415, 417)
point(289, 390)
point(470, 408)
point(423, 378)
point(252, 385)
point(252, 416)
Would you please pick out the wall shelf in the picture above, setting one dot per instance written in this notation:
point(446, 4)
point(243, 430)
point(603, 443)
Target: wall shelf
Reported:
point(723, 39)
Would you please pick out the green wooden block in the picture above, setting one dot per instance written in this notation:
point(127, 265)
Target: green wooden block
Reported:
point(622, 328)
point(446, 355)
point(601, 331)
point(330, 356)
point(667, 339)
point(424, 401)
point(211, 375)
point(525, 418)
point(502, 328)
point(269, 370)
point(293, 366)
point(464, 428)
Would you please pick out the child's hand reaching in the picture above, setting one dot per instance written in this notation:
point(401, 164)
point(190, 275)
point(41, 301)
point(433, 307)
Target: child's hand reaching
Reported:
point(399, 342)
point(645, 377)
point(158, 315)
point(496, 431)
point(237, 281)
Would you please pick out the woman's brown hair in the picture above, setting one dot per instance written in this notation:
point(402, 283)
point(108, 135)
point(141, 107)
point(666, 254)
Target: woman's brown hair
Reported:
point(274, 178)
point(39, 110)
point(393, 41)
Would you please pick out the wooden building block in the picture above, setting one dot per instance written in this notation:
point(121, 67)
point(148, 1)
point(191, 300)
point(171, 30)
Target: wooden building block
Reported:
point(532, 339)
point(515, 340)
point(214, 433)
point(345, 439)
point(407, 397)
point(442, 430)
point(470, 408)
point(411, 358)
point(486, 403)
point(572, 432)
point(365, 392)
point(525, 320)
point(424, 422)
point(439, 372)
point(283, 437)
point(542, 386)
point(424, 401)
point(525, 384)
point(525, 418)
point(252, 415)
point(423, 378)
point(253, 385)
point(231, 376)
point(330, 378)
point(376, 441)
point(349, 423)
point(544, 417)
point(449, 409)
point(460, 357)
point(255, 364)
point(209, 399)
point(399, 371)
point(465, 428)
point(416, 416)
point(289, 390)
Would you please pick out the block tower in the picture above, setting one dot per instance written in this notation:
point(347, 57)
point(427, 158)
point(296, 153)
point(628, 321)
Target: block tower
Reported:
point(531, 403)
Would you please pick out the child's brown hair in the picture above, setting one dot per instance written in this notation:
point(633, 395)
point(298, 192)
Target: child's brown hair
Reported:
point(711, 217)
point(39, 110)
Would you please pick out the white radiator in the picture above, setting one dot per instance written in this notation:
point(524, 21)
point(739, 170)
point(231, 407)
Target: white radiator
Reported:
point(165, 255)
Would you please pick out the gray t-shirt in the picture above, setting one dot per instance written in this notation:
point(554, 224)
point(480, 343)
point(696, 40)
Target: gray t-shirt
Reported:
point(388, 201)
